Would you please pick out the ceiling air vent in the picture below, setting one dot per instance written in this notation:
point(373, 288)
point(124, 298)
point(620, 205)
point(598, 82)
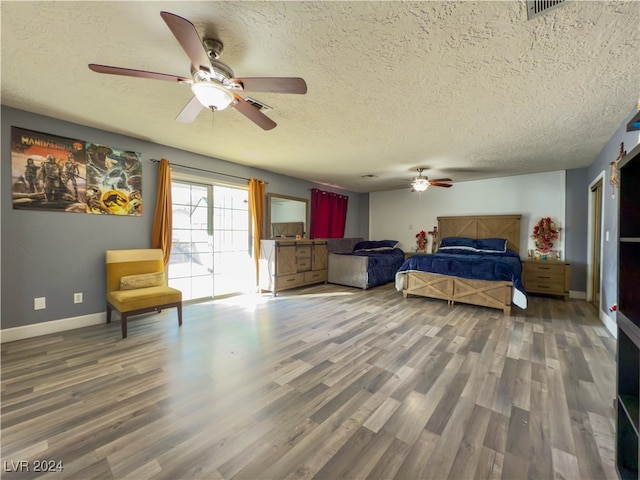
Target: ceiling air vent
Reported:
point(263, 107)
point(538, 7)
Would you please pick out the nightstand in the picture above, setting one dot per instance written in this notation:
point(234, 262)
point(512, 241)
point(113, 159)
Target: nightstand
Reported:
point(550, 277)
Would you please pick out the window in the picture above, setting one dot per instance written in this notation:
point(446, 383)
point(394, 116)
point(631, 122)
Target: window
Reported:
point(210, 253)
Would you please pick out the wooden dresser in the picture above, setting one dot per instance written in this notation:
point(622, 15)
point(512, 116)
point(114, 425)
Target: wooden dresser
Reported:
point(550, 277)
point(288, 263)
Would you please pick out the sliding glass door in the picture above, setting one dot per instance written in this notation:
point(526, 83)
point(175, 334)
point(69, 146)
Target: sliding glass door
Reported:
point(210, 253)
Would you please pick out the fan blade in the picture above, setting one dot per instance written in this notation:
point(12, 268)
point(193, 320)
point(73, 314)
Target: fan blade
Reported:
point(129, 72)
point(445, 185)
point(188, 38)
point(441, 180)
point(253, 114)
point(190, 111)
point(273, 84)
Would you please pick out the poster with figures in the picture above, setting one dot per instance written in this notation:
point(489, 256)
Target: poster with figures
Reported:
point(114, 181)
point(47, 172)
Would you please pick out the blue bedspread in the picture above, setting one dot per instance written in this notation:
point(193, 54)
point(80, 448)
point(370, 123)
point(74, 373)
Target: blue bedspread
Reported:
point(479, 266)
point(383, 265)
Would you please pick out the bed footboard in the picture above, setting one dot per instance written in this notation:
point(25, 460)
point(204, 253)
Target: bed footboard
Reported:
point(484, 293)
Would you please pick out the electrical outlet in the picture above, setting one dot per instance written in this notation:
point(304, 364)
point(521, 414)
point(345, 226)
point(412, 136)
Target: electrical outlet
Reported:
point(77, 298)
point(39, 303)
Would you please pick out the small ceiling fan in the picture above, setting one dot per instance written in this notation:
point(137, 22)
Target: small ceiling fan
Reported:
point(420, 183)
point(212, 82)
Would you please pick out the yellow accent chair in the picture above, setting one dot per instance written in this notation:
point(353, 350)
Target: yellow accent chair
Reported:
point(136, 284)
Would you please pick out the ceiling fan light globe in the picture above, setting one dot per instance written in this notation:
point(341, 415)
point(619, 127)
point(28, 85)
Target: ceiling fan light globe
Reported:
point(420, 184)
point(212, 95)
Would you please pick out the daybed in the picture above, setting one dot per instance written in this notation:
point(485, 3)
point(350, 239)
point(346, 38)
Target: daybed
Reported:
point(362, 264)
point(469, 269)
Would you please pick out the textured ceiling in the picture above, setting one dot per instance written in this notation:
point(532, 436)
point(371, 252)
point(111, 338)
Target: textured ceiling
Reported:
point(469, 90)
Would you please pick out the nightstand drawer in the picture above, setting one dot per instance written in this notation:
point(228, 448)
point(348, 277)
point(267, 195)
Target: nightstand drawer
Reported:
point(550, 288)
point(544, 277)
point(544, 268)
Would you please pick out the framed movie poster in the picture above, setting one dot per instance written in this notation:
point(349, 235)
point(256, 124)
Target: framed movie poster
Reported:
point(64, 174)
point(47, 172)
point(114, 181)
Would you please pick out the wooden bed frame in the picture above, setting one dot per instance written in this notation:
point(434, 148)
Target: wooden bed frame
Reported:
point(484, 293)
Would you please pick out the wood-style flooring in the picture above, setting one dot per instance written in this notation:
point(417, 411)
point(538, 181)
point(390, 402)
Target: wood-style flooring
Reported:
point(324, 382)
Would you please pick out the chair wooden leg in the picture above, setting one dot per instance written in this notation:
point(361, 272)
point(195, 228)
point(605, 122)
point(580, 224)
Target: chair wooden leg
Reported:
point(108, 313)
point(124, 325)
point(179, 315)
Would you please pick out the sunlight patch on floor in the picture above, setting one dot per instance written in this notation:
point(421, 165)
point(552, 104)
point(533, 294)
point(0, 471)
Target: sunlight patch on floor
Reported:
point(250, 301)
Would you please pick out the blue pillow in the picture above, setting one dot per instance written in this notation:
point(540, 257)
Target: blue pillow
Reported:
point(458, 243)
point(491, 245)
point(458, 251)
point(370, 245)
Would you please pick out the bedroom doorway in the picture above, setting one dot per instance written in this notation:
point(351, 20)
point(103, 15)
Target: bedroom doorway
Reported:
point(595, 241)
point(210, 253)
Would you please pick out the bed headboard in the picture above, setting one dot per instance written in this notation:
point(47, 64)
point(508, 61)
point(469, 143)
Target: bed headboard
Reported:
point(482, 226)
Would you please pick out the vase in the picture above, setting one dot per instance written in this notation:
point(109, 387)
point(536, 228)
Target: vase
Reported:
point(421, 250)
point(543, 254)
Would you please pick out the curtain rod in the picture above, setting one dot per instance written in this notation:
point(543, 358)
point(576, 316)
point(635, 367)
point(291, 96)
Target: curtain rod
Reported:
point(208, 171)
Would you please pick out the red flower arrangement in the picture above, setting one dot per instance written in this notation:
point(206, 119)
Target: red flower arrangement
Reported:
point(421, 240)
point(544, 232)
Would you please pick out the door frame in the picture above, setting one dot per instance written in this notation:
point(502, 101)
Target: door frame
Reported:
point(590, 240)
point(181, 176)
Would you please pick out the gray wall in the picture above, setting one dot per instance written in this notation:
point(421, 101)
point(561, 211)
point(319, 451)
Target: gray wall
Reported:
point(55, 254)
point(610, 210)
point(575, 229)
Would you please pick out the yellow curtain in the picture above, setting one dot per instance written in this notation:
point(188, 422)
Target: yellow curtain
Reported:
point(162, 220)
point(256, 203)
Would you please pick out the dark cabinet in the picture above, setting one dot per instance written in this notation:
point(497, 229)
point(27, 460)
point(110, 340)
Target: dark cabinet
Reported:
point(628, 318)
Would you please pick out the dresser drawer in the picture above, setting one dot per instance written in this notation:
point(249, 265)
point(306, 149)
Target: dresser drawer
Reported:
point(303, 251)
point(315, 276)
point(289, 281)
point(303, 264)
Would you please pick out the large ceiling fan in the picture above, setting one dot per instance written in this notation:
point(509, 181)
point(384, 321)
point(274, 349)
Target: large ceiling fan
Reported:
point(212, 82)
point(420, 183)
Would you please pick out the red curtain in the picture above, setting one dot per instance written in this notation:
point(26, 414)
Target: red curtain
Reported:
point(328, 214)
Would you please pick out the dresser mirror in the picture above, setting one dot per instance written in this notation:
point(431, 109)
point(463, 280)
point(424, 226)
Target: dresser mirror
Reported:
point(287, 217)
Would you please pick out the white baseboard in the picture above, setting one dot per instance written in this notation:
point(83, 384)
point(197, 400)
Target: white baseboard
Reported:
point(609, 323)
point(54, 326)
point(577, 295)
